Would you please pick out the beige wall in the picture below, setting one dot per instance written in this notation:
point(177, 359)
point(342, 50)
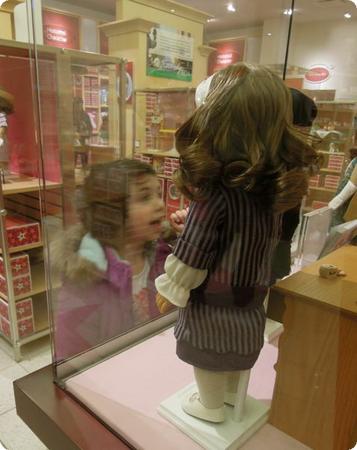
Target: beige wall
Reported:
point(5, 25)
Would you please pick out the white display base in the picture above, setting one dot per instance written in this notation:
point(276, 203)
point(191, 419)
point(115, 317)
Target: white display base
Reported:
point(228, 435)
point(272, 330)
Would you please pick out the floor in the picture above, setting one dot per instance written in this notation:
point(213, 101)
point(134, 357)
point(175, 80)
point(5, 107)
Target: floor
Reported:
point(14, 434)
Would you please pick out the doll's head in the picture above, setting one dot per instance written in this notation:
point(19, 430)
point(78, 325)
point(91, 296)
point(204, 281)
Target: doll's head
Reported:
point(122, 202)
point(242, 135)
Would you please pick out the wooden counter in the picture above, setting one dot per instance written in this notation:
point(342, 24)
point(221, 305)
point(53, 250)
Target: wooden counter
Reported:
point(315, 396)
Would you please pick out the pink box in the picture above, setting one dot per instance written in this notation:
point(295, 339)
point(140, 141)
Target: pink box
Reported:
point(20, 265)
point(22, 231)
point(22, 285)
point(335, 162)
point(25, 327)
point(24, 309)
point(314, 181)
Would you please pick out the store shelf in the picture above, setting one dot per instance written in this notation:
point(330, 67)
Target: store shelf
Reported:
point(325, 152)
point(322, 189)
point(167, 130)
point(338, 172)
point(23, 248)
point(163, 154)
point(27, 185)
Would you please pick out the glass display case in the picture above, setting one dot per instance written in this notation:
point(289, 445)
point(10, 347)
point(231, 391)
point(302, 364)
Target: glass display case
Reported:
point(98, 211)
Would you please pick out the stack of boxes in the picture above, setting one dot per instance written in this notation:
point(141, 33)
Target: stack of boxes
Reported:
point(21, 232)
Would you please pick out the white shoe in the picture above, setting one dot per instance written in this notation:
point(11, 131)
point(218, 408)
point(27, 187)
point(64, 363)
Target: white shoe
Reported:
point(230, 398)
point(192, 406)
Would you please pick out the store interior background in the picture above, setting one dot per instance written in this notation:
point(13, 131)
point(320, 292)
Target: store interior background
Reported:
point(321, 35)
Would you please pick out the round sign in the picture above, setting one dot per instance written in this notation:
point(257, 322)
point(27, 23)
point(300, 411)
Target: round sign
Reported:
point(317, 74)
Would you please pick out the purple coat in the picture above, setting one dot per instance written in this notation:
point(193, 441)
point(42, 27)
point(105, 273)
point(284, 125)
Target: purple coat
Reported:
point(92, 307)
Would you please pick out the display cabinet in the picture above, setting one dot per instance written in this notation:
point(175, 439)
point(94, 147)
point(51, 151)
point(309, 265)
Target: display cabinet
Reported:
point(336, 126)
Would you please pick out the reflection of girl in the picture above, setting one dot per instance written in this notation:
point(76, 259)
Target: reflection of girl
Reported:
point(6, 107)
point(108, 263)
point(242, 165)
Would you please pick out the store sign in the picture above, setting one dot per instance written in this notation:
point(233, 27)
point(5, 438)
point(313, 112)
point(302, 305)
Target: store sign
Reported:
point(227, 52)
point(56, 34)
point(170, 54)
point(60, 30)
point(317, 74)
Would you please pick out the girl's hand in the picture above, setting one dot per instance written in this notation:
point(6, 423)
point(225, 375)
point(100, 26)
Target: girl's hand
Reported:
point(163, 305)
point(178, 219)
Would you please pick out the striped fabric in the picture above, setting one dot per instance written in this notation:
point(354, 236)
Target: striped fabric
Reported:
point(233, 237)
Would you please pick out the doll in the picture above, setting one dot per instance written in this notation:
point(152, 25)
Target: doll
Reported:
point(6, 108)
point(242, 165)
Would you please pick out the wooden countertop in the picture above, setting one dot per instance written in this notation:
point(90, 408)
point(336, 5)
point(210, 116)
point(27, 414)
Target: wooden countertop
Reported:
point(339, 293)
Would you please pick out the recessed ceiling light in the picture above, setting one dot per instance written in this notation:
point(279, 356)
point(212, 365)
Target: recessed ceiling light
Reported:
point(288, 12)
point(173, 10)
point(231, 7)
point(211, 19)
point(347, 15)
point(269, 34)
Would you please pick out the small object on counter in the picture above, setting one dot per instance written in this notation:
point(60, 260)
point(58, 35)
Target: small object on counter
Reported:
point(330, 271)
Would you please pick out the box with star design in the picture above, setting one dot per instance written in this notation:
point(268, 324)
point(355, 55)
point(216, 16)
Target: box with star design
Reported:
point(20, 264)
point(22, 285)
point(24, 309)
point(24, 326)
point(22, 231)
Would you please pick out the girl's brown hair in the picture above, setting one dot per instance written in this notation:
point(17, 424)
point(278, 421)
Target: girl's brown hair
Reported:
point(105, 196)
point(242, 136)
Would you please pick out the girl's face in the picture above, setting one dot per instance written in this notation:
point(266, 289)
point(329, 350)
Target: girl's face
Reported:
point(145, 210)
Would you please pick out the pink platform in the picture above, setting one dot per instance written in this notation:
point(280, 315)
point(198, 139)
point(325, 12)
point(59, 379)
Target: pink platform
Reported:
point(126, 390)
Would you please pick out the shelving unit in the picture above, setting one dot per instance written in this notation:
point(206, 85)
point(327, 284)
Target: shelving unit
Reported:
point(158, 113)
point(30, 190)
point(336, 125)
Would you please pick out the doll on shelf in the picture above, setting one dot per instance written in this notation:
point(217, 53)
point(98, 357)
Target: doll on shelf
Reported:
point(6, 108)
point(345, 191)
point(242, 165)
point(156, 124)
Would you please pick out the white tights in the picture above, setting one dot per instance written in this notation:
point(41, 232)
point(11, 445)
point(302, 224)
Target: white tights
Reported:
point(212, 386)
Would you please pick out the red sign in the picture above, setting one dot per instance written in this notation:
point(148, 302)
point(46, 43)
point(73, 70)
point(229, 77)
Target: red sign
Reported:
point(227, 52)
point(317, 74)
point(60, 30)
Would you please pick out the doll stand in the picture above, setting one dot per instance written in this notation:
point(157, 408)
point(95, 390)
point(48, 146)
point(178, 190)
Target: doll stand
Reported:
point(242, 421)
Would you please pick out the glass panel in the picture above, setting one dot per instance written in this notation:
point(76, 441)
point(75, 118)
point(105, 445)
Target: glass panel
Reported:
point(109, 135)
point(314, 389)
point(23, 305)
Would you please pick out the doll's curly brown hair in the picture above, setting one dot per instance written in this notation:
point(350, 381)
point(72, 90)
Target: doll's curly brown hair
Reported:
point(242, 136)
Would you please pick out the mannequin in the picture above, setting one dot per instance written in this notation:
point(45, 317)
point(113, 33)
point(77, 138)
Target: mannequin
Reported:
point(242, 165)
point(345, 191)
point(6, 108)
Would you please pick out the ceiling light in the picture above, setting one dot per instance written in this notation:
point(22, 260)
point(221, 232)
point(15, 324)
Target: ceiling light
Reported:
point(211, 19)
point(354, 2)
point(231, 7)
point(2, 2)
point(347, 15)
point(173, 10)
point(269, 34)
point(288, 12)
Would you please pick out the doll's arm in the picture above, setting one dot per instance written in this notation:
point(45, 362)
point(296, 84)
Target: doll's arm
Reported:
point(175, 285)
point(346, 193)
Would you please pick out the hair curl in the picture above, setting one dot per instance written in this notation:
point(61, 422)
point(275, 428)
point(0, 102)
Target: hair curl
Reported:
point(242, 136)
